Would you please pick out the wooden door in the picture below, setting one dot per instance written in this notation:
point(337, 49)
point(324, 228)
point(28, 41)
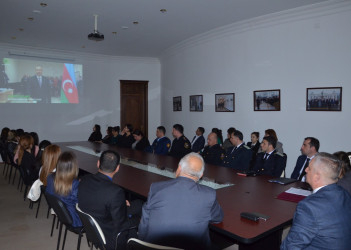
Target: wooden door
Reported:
point(134, 100)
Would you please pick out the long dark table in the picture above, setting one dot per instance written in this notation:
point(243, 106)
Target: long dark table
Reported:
point(249, 194)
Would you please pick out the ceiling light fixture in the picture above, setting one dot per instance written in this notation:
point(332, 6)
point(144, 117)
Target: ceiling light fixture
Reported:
point(96, 36)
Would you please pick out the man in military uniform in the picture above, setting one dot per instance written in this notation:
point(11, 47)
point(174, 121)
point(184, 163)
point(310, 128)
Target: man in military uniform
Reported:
point(213, 153)
point(161, 144)
point(269, 161)
point(239, 156)
point(180, 145)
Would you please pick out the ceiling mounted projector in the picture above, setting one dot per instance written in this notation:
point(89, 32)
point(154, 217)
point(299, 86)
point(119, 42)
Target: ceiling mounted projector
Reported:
point(96, 36)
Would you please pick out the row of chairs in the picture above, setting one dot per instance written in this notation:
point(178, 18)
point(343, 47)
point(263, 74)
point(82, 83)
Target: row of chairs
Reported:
point(91, 228)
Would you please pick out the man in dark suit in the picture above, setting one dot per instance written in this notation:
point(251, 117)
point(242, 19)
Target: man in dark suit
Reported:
point(198, 142)
point(39, 86)
point(269, 161)
point(178, 211)
point(239, 156)
point(213, 153)
point(308, 150)
point(161, 144)
point(105, 200)
point(322, 220)
point(180, 145)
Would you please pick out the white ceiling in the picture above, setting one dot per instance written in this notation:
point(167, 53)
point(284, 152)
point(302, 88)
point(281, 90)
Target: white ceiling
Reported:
point(65, 24)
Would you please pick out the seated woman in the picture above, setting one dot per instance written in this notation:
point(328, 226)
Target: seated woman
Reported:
point(219, 135)
point(96, 134)
point(50, 157)
point(127, 138)
point(26, 159)
point(64, 184)
point(254, 144)
point(141, 142)
point(115, 135)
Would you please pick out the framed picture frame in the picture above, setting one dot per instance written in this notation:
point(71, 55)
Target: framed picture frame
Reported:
point(324, 99)
point(225, 102)
point(196, 103)
point(267, 100)
point(177, 103)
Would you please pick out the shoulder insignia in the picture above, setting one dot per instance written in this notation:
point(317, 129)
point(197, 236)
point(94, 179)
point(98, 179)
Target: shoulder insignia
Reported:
point(186, 145)
point(168, 145)
point(280, 154)
point(247, 147)
point(222, 156)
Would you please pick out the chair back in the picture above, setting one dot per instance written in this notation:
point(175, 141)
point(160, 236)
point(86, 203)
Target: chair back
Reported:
point(59, 208)
point(136, 244)
point(92, 229)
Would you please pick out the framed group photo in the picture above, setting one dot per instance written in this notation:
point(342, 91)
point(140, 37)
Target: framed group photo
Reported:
point(177, 103)
point(196, 103)
point(267, 100)
point(225, 102)
point(323, 99)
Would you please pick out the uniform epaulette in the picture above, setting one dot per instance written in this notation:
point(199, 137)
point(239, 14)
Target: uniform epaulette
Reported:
point(184, 138)
point(247, 147)
point(280, 154)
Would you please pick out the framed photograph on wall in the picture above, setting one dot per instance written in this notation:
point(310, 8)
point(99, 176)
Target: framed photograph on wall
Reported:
point(196, 103)
point(323, 99)
point(225, 102)
point(177, 103)
point(267, 100)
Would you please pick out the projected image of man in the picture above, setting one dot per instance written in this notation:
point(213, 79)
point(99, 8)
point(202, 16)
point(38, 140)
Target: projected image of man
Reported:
point(39, 87)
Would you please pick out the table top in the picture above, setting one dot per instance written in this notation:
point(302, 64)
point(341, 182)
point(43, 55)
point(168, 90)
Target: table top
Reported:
point(248, 194)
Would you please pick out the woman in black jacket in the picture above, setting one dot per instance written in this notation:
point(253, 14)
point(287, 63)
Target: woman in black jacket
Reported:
point(141, 142)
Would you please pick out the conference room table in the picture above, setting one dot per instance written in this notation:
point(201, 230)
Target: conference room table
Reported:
point(248, 194)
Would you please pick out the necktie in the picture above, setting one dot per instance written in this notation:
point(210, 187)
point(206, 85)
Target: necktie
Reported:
point(39, 79)
point(265, 156)
point(304, 168)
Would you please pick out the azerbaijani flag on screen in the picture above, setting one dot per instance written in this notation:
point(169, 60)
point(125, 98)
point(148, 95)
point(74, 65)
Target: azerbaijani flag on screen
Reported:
point(69, 91)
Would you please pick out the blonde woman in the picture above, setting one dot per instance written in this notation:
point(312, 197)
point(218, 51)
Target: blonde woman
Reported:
point(64, 184)
point(50, 156)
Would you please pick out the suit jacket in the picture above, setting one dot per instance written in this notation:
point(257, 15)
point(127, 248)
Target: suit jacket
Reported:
point(322, 221)
point(160, 146)
point(106, 202)
point(254, 148)
point(238, 159)
point(177, 213)
point(198, 144)
point(273, 166)
point(126, 141)
point(299, 164)
point(180, 147)
point(143, 144)
point(42, 92)
point(213, 155)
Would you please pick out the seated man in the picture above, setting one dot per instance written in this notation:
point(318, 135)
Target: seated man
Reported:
point(239, 156)
point(161, 144)
point(178, 211)
point(322, 220)
point(269, 161)
point(308, 150)
point(213, 153)
point(105, 200)
point(180, 145)
point(198, 141)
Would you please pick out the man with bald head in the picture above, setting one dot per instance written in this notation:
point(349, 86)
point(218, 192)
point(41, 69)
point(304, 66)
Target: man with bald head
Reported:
point(213, 153)
point(323, 219)
point(178, 211)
